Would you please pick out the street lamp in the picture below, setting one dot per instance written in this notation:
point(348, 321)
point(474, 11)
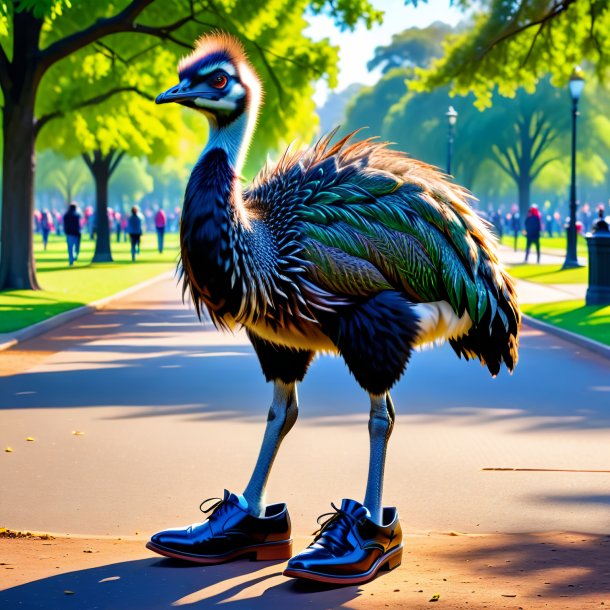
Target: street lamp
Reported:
point(576, 85)
point(452, 116)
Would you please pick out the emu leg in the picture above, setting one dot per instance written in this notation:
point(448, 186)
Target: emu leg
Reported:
point(381, 422)
point(282, 416)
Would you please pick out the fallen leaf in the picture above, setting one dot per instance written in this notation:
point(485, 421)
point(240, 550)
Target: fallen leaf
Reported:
point(109, 579)
point(434, 598)
point(30, 438)
point(506, 595)
point(9, 450)
point(87, 551)
point(77, 433)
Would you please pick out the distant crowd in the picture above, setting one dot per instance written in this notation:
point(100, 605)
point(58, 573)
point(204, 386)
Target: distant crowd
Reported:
point(74, 223)
point(124, 226)
point(537, 222)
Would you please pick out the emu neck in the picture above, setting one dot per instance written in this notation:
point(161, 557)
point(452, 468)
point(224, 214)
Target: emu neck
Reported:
point(209, 232)
point(214, 220)
point(234, 138)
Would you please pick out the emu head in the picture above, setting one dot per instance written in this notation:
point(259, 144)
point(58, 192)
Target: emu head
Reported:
point(216, 79)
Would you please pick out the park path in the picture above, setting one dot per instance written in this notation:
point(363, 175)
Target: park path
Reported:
point(534, 293)
point(173, 411)
point(170, 412)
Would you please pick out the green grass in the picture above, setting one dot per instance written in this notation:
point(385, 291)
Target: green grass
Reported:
point(550, 274)
point(549, 245)
point(65, 287)
point(592, 321)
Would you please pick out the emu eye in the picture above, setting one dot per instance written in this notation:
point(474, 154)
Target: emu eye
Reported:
point(219, 81)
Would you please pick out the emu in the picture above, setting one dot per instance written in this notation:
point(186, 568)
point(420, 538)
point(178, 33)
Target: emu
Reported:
point(347, 248)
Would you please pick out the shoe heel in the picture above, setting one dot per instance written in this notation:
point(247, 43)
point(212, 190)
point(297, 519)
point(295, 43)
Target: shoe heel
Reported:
point(393, 562)
point(274, 552)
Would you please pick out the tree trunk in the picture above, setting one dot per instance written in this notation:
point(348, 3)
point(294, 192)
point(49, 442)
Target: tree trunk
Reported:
point(102, 167)
point(17, 266)
point(525, 185)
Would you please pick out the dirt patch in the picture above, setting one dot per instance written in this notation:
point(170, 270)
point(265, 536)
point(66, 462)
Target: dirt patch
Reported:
point(529, 571)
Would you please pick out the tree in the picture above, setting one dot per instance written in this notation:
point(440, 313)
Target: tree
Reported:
point(66, 176)
point(130, 183)
point(525, 129)
point(332, 113)
point(39, 34)
point(413, 47)
point(369, 108)
point(121, 124)
point(526, 138)
point(514, 44)
point(418, 125)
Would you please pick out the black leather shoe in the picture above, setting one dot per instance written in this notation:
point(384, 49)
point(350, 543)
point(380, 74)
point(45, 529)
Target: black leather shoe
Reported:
point(349, 548)
point(228, 533)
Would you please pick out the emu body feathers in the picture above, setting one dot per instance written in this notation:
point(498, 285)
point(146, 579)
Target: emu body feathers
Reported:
point(333, 226)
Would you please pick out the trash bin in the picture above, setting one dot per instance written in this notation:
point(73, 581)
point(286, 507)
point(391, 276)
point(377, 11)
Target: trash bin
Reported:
point(598, 244)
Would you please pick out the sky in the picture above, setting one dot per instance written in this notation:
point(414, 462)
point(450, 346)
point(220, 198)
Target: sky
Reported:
point(357, 47)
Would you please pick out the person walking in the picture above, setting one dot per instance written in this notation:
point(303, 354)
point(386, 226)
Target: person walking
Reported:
point(46, 224)
point(117, 226)
point(72, 224)
point(160, 222)
point(134, 228)
point(533, 226)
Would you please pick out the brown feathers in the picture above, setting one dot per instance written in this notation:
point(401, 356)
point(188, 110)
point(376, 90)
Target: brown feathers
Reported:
point(215, 42)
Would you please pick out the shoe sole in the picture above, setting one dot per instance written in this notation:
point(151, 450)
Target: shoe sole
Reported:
point(270, 551)
point(388, 562)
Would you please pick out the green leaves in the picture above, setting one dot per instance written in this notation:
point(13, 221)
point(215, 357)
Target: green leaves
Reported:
point(515, 44)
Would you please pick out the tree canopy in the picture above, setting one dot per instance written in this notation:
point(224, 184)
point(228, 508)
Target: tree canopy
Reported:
point(501, 151)
point(515, 43)
point(413, 47)
point(40, 37)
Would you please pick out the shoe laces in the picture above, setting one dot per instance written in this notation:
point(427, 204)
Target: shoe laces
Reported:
point(216, 507)
point(334, 529)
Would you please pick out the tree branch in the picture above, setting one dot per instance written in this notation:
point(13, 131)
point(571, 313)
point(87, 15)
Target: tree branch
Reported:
point(554, 11)
point(121, 22)
point(539, 125)
point(92, 101)
point(537, 171)
point(102, 27)
point(88, 161)
point(112, 54)
point(5, 78)
point(507, 164)
point(545, 140)
point(114, 164)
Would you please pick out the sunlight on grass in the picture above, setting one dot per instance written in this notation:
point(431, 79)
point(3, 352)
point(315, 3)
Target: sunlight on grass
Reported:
point(549, 245)
point(65, 288)
point(591, 321)
point(550, 274)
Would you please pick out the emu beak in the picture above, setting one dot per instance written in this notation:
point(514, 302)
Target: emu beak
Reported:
point(178, 93)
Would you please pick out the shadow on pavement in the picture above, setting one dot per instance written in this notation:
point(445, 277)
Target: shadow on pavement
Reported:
point(149, 584)
point(553, 565)
point(185, 367)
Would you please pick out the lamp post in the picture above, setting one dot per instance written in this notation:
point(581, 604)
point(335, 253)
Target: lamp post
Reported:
point(576, 85)
point(452, 116)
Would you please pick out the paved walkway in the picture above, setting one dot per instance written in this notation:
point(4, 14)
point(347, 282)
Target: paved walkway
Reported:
point(138, 412)
point(532, 292)
point(173, 412)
